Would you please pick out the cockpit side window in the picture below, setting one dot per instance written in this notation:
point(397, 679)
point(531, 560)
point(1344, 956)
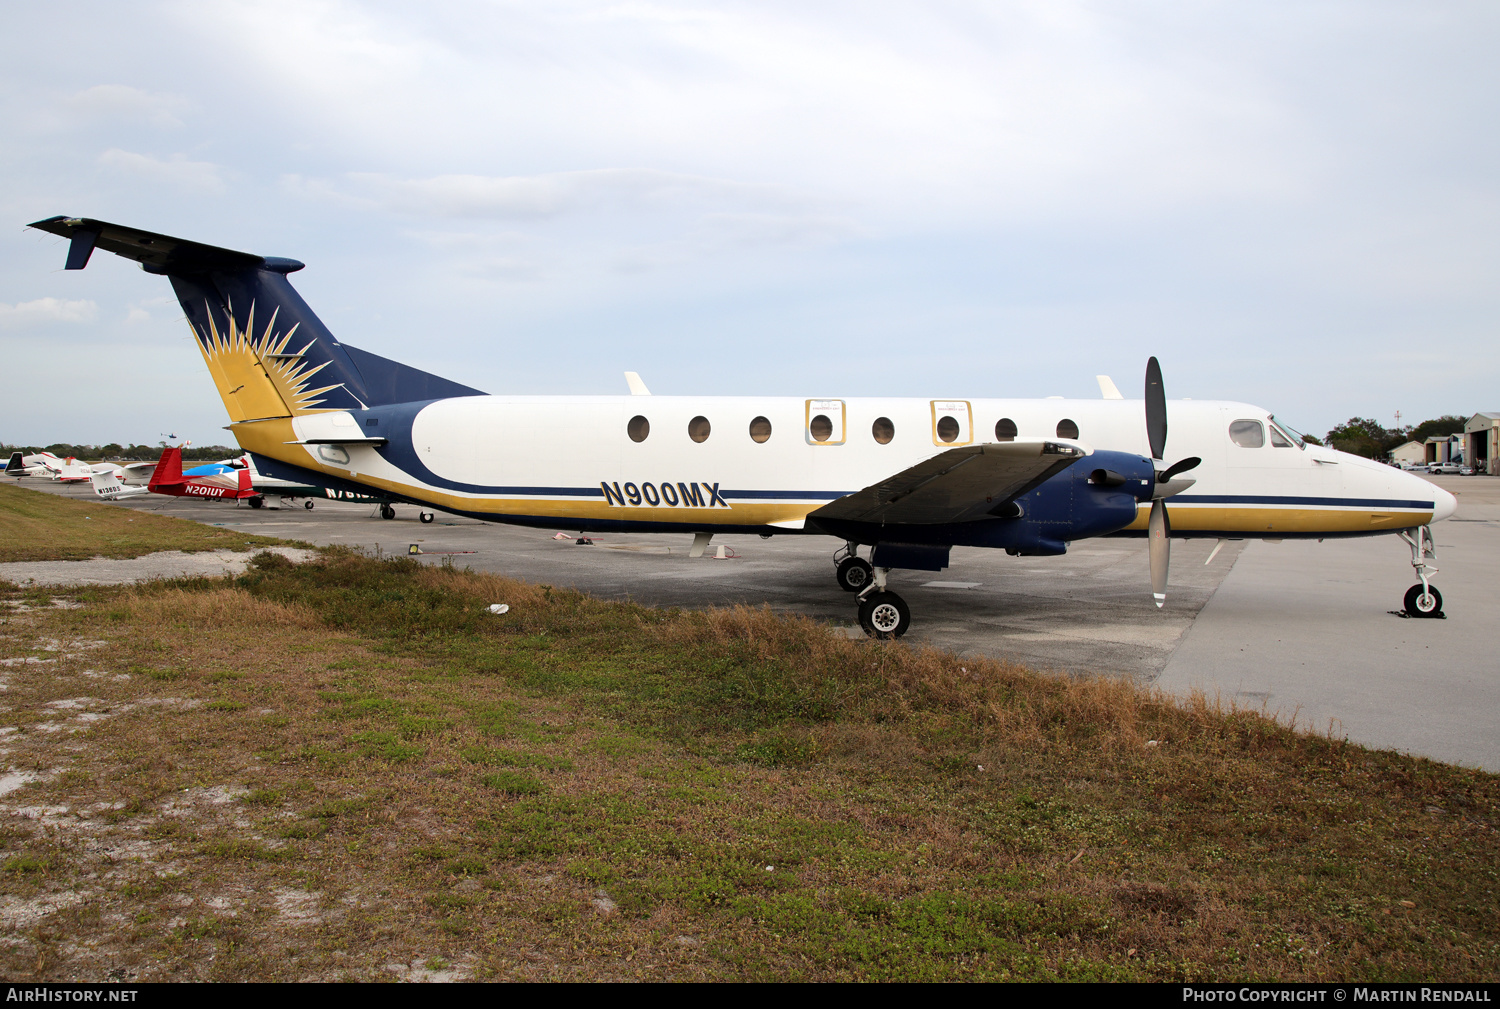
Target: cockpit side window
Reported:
point(1279, 438)
point(1247, 433)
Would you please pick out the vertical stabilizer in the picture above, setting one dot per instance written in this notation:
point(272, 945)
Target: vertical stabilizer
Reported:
point(168, 468)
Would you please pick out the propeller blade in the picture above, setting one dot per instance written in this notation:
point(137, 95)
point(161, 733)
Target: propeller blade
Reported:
point(1156, 410)
point(1159, 532)
point(1181, 466)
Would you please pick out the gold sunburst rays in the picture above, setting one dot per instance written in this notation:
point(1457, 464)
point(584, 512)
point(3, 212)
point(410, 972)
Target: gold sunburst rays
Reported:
point(256, 374)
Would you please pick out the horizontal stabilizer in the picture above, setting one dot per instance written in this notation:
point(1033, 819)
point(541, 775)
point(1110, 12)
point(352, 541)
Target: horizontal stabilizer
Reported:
point(156, 253)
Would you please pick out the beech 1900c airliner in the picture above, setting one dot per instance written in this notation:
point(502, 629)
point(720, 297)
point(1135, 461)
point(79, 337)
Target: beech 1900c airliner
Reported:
point(909, 478)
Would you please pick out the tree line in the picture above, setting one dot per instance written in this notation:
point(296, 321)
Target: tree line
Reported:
point(1366, 437)
point(124, 453)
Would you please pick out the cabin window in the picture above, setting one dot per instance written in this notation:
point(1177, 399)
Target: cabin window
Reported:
point(825, 422)
point(698, 429)
point(760, 430)
point(1247, 434)
point(1005, 429)
point(1067, 429)
point(951, 420)
point(883, 430)
point(638, 428)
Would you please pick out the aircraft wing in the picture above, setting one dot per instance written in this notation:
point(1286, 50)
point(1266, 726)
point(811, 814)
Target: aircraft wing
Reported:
point(959, 485)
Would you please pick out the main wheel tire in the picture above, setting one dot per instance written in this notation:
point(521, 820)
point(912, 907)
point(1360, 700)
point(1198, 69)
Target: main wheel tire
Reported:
point(308, 505)
point(387, 512)
point(884, 615)
point(1424, 604)
point(425, 517)
point(255, 502)
point(854, 574)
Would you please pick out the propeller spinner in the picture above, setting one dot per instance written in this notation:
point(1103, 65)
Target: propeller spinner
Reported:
point(1159, 527)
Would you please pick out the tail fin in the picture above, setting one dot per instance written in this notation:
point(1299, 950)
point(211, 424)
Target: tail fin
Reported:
point(168, 468)
point(15, 465)
point(269, 355)
point(105, 484)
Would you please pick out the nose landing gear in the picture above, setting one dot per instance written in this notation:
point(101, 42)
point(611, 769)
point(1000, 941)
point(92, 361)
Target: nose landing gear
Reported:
point(1422, 600)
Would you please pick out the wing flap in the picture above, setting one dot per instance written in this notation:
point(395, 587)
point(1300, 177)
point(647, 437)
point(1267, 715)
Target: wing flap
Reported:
point(960, 485)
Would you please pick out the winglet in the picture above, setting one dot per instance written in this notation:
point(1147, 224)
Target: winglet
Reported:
point(637, 387)
point(1107, 387)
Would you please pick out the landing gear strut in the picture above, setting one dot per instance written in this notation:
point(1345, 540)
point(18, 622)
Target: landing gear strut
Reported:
point(1422, 600)
point(883, 615)
point(853, 574)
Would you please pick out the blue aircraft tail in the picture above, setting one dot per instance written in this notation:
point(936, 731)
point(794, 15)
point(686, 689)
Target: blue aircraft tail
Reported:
point(269, 354)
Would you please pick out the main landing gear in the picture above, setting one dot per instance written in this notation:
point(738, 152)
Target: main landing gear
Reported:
point(387, 512)
point(1422, 600)
point(882, 614)
point(852, 572)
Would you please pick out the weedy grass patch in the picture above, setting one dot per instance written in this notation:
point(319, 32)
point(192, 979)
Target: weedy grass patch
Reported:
point(35, 526)
point(355, 764)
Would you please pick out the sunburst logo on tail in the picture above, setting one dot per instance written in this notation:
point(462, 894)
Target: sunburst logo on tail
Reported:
point(257, 374)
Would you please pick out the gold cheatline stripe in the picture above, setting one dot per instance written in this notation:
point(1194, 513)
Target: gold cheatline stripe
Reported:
point(1282, 520)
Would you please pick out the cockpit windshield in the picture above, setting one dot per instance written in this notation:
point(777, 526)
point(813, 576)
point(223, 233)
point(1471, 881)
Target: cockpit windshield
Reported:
point(1291, 435)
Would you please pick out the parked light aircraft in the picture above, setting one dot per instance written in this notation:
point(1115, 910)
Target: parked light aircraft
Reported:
point(289, 490)
point(45, 464)
point(107, 485)
point(168, 478)
point(909, 478)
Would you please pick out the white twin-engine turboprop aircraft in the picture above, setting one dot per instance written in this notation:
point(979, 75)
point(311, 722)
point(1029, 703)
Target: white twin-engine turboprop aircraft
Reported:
point(909, 478)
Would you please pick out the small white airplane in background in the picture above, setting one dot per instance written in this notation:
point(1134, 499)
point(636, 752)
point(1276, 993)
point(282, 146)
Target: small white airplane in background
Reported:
point(108, 486)
point(45, 464)
point(909, 478)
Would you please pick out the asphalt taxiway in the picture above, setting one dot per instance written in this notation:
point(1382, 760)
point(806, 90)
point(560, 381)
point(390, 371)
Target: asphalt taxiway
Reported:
point(1303, 630)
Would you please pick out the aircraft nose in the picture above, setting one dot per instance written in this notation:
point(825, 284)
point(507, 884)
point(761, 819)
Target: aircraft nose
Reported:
point(1444, 503)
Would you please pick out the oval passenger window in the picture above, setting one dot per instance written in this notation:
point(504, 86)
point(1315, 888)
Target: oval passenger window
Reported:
point(638, 428)
point(698, 429)
point(883, 430)
point(947, 428)
point(1005, 429)
point(760, 430)
point(820, 427)
point(1067, 429)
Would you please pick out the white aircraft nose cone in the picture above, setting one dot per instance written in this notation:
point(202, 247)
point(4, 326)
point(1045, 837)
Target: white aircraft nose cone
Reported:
point(1444, 504)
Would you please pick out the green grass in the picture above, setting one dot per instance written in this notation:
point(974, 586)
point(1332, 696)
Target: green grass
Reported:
point(628, 793)
point(36, 526)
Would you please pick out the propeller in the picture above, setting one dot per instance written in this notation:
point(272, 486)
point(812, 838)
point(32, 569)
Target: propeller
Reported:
point(1159, 527)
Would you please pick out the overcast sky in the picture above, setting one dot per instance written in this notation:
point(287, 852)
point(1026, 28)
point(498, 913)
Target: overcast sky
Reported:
point(1294, 204)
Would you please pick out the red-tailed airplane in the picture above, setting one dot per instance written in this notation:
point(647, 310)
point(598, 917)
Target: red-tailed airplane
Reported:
point(168, 478)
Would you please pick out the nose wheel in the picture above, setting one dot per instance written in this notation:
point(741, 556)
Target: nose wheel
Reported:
point(1422, 599)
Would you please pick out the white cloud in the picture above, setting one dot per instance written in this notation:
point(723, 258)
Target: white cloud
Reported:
point(547, 195)
point(46, 310)
point(203, 176)
point(120, 101)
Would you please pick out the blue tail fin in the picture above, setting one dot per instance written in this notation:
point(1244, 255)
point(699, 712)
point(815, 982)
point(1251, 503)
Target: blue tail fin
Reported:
point(269, 354)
